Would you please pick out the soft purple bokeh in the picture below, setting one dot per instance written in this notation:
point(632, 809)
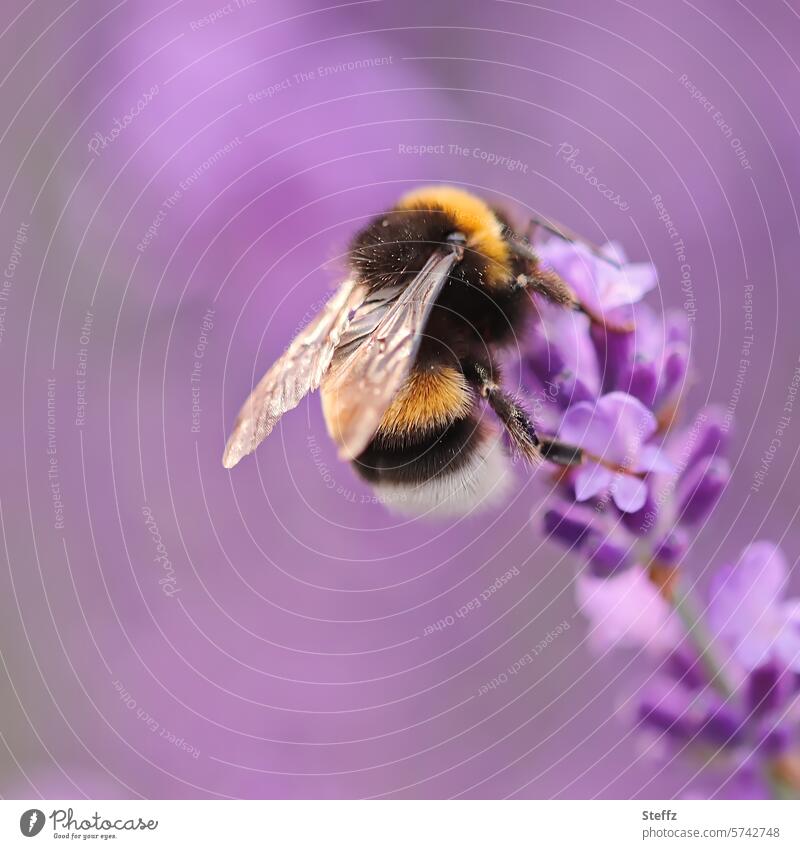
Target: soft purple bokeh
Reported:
point(736, 710)
point(747, 609)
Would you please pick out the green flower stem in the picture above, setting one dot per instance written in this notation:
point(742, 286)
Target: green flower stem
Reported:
point(701, 638)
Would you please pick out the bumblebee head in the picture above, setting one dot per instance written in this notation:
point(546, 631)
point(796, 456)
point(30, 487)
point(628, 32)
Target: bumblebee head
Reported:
point(395, 246)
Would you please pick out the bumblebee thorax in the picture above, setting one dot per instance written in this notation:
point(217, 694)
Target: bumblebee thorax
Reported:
point(398, 243)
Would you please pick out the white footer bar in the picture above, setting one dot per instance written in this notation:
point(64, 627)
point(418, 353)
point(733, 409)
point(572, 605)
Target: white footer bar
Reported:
point(401, 824)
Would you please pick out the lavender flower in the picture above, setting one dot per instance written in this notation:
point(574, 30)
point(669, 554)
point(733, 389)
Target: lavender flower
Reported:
point(650, 363)
point(602, 286)
point(615, 394)
point(727, 683)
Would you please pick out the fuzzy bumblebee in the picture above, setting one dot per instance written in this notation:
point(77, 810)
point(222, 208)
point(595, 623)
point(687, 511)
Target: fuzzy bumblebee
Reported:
point(405, 354)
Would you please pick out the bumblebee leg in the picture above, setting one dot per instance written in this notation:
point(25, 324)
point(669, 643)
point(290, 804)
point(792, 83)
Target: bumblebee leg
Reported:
point(560, 453)
point(518, 422)
point(549, 284)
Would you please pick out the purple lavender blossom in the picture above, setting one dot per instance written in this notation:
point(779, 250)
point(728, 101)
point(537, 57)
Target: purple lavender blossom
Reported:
point(617, 428)
point(602, 286)
point(649, 363)
point(615, 394)
point(726, 686)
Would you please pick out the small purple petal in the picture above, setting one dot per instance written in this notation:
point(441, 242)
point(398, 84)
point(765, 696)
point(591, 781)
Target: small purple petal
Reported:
point(666, 719)
point(614, 355)
point(762, 567)
point(615, 428)
point(773, 740)
point(592, 480)
point(642, 382)
point(710, 435)
point(640, 522)
point(570, 390)
point(767, 686)
point(670, 548)
point(701, 488)
point(673, 374)
point(579, 422)
point(723, 726)
point(653, 459)
point(628, 285)
point(634, 423)
point(569, 523)
point(756, 581)
point(629, 493)
point(544, 359)
point(677, 327)
point(746, 611)
point(686, 669)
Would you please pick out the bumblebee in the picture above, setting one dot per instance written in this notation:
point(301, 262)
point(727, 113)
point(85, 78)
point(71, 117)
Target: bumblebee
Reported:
point(405, 354)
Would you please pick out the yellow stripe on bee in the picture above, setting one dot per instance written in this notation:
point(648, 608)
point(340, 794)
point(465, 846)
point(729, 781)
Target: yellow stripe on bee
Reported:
point(430, 398)
point(473, 218)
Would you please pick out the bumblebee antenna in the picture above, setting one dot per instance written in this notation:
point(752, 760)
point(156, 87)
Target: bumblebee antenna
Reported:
point(572, 237)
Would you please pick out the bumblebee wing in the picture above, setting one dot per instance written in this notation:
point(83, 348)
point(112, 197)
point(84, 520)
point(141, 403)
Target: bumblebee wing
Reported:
point(360, 387)
point(298, 371)
point(365, 320)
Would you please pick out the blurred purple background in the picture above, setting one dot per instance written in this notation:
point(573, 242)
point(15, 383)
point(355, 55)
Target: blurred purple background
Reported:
point(278, 647)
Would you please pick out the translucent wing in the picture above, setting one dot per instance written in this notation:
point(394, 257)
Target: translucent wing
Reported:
point(296, 373)
point(365, 320)
point(360, 386)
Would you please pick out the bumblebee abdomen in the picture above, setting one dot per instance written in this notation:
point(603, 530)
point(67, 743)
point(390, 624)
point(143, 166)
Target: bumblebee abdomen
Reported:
point(433, 397)
point(447, 471)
